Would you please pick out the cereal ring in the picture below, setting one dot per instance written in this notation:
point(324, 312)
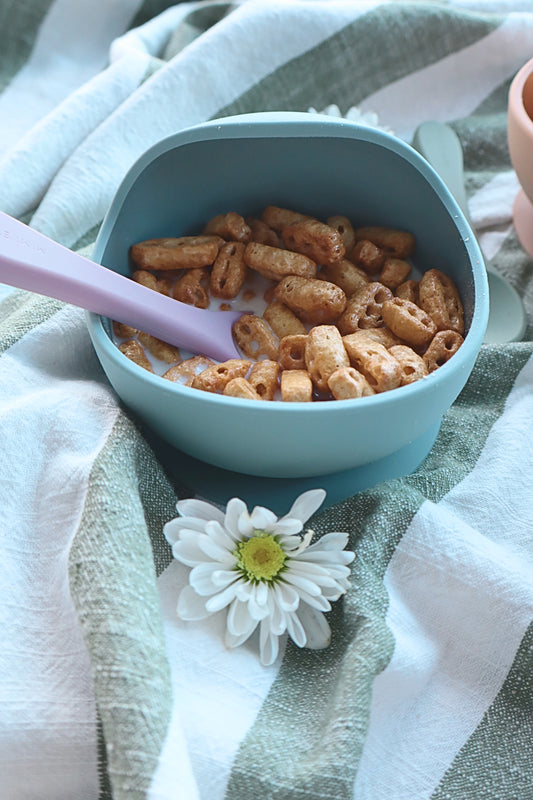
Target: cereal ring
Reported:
point(190, 288)
point(364, 308)
point(282, 320)
point(413, 366)
point(440, 299)
point(187, 370)
point(441, 348)
point(274, 262)
point(346, 275)
point(230, 226)
point(296, 386)
point(262, 233)
point(133, 350)
point(239, 387)
point(345, 228)
point(320, 242)
point(408, 290)
point(324, 353)
point(394, 242)
point(255, 337)
point(394, 272)
point(367, 256)
point(380, 335)
point(264, 378)
point(382, 371)
point(216, 377)
point(160, 349)
point(148, 279)
point(291, 353)
point(278, 218)
point(185, 252)
point(229, 271)
point(348, 383)
point(408, 321)
point(123, 331)
point(314, 301)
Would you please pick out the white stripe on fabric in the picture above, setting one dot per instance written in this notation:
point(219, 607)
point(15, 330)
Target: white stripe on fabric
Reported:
point(219, 695)
point(55, 416)
point(61, 60)
point(433, 93)
point(461, 599)
point(209, 74)
point(491, 212)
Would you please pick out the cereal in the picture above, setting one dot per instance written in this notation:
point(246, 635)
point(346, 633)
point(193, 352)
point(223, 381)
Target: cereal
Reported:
point(239, 387)
point(230, 226)
point(314, 301)
point(413, 366)
point(275, 263)
point(394, 242)
point(291, 353)
point(314, 239)
point(296, 386)
point(324, 353)
point(255, 337)
point(187, 370)
point(185, 252)
point(191, 288)
point(229, 271)
point(440, 298)
point(264, 378)
point(341, 318)
point(408, 321)
point(382, 371)
point(134, 351)
point(162, 350)
point(442, 347)
point(364, 308)
point(282, 320)
point(216, 377)
point(347, 383)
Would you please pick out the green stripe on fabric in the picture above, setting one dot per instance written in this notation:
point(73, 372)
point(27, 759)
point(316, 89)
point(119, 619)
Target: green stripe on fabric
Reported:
point(348, 66)
point(113, 585)
point(514, 264)
point(322, 699)
point(496, 761)
point(22, 311)
point(194, 25)
point(151, 9)
point(22, 20)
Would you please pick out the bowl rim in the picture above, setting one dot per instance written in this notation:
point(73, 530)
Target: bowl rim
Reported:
point(304, 125)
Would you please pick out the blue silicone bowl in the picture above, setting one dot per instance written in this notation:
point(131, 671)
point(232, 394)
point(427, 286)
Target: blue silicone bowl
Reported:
point(320, 166)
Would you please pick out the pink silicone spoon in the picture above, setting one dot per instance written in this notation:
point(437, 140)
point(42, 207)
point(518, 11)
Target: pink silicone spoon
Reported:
point(30, 260)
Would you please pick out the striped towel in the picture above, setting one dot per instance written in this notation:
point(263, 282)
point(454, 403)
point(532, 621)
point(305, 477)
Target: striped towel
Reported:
point(426, 689)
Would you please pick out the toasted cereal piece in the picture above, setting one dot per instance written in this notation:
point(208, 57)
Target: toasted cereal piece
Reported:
point(291, 353)
point(345, 228)
point(230, 226)
point(439, 297)
point(408, 290)
point(296, 386)
point(188, 369)
point(229, 271)
point(160, 349)
point(413, 366)
point(264, 378)
point(262, 233)
point(347, 383)
point(441, 348)
point(282, 320)
point(123, 331)
point(133, 350)
point(254, 336)
point(314, 239)
point(345, 274)
point(324, 353)
point(216, 377)
point(275, 262)
point(184, 252)
point(381, 335)
point(278, 218)
point(314, 301)
point(382, 371)
point(364, 308)
point(191, 288)
point(394, 272)
point(239, 387)
point(394, 242)
point(367, 255)
point(408, 321)
point(148, 279)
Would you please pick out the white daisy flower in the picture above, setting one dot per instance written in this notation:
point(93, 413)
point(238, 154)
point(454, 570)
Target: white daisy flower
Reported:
point(260, 571)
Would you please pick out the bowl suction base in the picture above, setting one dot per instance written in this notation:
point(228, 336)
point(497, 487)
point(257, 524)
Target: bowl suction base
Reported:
point(219, 485)
point(523, 221)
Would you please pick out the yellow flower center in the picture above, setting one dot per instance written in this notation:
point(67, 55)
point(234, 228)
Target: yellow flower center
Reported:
point(260, 558)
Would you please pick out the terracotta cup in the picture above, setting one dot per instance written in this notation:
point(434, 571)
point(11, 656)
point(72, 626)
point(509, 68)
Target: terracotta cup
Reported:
point(520, 138)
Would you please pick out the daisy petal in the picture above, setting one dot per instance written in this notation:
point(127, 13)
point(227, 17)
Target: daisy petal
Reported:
point(201, 578)
point(232, 641)
point(306, 505)
point(278, 618)
point(287, 597)
point(199, 509)
point(320, 602)
point(296, 630)
point(330, 541)
point(219, 601)
point(286, 526)
point(187, 551)
point(262, 519)
point(316, 627)
point(239, 621)
point(255, 609)
point(299, 582)
point(216, 551)
point(269, 645)
point(190, 605)
point(223, 577)
point(234, 509)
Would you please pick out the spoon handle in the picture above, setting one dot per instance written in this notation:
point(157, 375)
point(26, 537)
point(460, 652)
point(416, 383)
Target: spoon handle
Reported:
point(30, 260)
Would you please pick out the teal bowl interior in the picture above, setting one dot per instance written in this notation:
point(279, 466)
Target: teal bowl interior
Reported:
point(320, 166)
